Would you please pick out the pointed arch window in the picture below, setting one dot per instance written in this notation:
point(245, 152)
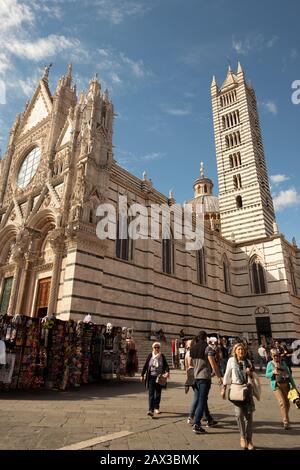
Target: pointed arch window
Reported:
point(293, 279)
point(258, 277)
point(168, 255)
point(29, 167)
point(226, 275)
point(124, 244)
point(201, 267)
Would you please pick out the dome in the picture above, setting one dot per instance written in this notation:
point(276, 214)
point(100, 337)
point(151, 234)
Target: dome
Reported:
point(203, 197)
point(210, 203)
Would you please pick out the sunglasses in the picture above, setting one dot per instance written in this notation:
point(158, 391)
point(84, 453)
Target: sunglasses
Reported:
point(156, 347)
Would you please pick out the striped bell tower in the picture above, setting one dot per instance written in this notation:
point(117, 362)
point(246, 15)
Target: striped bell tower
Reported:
point(246, 205)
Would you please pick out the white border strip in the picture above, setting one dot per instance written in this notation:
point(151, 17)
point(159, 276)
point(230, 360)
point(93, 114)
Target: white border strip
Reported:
point(96, 440)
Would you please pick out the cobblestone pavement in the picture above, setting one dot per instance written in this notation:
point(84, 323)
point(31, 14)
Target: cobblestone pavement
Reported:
point(43, 419)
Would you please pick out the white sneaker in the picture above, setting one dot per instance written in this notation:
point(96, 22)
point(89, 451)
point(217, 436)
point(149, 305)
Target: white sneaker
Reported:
point(157, 412)
point(190, 421)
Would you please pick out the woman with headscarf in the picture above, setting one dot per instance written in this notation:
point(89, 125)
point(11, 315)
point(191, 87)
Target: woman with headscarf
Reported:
point(155, 367)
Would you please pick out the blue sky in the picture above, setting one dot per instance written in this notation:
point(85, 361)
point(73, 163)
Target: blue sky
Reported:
point(157, 58)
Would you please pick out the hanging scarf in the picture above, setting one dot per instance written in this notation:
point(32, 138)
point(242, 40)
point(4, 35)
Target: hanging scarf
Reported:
point(239, 369)
point(156, 359)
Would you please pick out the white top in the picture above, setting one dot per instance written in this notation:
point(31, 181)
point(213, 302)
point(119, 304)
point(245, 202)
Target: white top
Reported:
point(230, 376)
point(262, 351)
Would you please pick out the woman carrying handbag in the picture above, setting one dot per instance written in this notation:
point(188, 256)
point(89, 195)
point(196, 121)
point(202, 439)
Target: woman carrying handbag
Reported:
point(155, 374)
point(281, 381)
point(238, 375)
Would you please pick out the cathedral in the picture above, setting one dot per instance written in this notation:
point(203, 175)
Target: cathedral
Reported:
point(59, 166)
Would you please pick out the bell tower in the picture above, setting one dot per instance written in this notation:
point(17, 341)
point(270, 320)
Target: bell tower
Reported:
point(246, 205)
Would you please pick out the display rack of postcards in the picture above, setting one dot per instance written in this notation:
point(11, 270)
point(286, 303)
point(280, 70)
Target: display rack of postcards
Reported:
point(31, 373)
point(97, 347)
point(56, 354)
point(69, 352)
point(86, 350)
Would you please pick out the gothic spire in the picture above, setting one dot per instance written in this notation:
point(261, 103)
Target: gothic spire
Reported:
point(239, 68)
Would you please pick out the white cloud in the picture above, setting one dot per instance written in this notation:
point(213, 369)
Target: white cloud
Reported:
point(115, 78)
point(152, 156)
point(41, 48)
point(270, 107)
point(176, 111)
point(285, 199)
point(14, 14)
point(116, 67)
point(5, 63)
point(27, 86)
point(253, 42)
point(294, 54)
point(19, 20)
point(103, 52)
point(271, 42)
point(137, 67)
point(189, 94)
point(277, 179)
point(117, 11)
point(129, 158)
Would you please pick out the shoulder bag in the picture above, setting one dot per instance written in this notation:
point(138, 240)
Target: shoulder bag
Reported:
point(238, 392)
point(161, 380)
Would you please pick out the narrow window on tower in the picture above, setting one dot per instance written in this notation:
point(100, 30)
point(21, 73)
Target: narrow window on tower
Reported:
point(235, 184)
point(239, 202)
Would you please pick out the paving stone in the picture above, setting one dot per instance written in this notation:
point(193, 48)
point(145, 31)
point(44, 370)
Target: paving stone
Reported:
point(50, 420)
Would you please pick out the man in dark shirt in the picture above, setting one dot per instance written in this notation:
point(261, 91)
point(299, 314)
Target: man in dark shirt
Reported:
point(203, 357)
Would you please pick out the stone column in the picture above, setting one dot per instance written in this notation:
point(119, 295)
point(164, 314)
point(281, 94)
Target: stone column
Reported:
point(57, 244)
point(29, 258)
point(1, 283)
point(15, 288)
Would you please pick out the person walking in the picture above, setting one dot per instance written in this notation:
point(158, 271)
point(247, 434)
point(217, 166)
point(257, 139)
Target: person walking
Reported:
point(190, 379)
point(238, 371)
point(223, 352)
point(203, 358)
point(155, 370)
point(262, 356)
point(280, 376)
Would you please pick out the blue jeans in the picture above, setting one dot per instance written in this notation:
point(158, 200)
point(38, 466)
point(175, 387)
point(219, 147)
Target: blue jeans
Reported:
point(154, 393)
point(202, 391)
point(194, 403)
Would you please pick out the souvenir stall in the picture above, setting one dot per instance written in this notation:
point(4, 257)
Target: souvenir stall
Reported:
point(58, 354)
point(108, 359)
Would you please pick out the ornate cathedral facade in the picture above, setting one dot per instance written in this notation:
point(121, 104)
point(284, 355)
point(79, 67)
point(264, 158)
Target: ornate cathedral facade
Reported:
point(59, 166)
